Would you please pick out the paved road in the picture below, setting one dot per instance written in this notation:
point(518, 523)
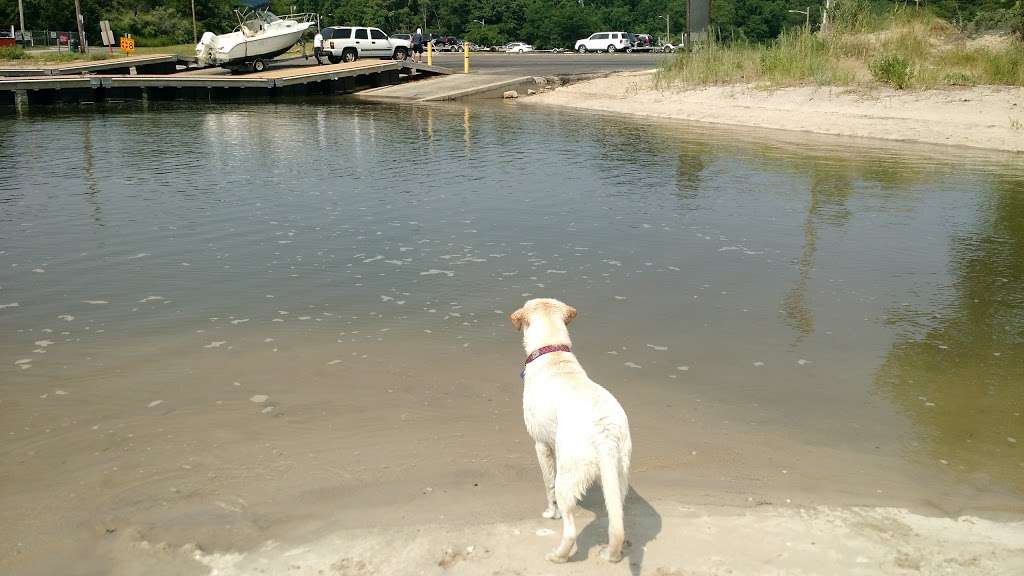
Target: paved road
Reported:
point(543, 64)
point(537, 64)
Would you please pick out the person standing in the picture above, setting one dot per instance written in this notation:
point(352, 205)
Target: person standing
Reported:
point(318, 47)
point(417, 45)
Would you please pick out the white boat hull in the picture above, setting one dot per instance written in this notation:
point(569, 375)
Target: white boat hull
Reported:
point(239, 48)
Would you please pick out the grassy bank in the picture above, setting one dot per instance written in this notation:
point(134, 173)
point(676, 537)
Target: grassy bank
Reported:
point(902, 48)
point(25, 57)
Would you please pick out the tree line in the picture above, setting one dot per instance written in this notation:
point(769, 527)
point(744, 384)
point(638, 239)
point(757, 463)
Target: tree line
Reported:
point(544, 23)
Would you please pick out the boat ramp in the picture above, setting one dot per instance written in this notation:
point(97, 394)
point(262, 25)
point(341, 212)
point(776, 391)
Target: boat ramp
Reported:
point(152, 78)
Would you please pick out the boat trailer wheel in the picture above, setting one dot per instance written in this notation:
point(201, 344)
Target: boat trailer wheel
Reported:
point(259, 65)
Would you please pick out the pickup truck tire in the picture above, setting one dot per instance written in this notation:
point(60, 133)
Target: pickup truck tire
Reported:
point(350, 55)
point(333, 59)
point(400, 54)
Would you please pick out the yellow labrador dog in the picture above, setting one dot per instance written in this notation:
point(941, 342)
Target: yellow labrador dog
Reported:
point(580, 431)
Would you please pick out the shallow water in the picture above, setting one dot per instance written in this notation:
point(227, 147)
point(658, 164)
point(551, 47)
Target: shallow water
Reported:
point(859, 298)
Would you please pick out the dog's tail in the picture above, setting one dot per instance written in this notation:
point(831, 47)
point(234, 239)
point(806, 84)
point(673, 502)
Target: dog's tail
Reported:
point(614, 483)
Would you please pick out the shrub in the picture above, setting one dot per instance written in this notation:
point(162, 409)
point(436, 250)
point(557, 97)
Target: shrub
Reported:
point(960, 79)
point(892, 69)
point(998, 19)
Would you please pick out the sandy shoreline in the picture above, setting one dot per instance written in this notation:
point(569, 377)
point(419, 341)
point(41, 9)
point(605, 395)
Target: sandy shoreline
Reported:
point(981, 117)
point(383, 479)
point(675, 540)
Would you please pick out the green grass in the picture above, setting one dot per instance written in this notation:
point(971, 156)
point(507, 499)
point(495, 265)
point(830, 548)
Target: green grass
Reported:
point(20, 56)
point(903, 49)
point(12, 53)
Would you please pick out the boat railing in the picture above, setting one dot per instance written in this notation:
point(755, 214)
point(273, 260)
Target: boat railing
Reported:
point(245, 16)
point(301, 17)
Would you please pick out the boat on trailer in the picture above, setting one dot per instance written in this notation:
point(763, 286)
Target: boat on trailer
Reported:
point(259, 37)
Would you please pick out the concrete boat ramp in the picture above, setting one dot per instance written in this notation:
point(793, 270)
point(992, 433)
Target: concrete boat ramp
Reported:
point(456, 87)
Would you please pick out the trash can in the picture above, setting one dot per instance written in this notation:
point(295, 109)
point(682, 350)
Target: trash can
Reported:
point(73, 44)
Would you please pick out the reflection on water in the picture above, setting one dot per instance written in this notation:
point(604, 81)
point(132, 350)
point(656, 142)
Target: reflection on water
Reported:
point(961, 378)
point(792, 280)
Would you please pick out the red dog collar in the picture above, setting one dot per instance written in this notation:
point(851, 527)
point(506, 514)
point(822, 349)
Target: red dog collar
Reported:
point(545, 350)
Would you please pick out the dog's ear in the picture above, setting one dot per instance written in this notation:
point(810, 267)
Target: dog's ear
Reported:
point(517, 318)
point(568, 314)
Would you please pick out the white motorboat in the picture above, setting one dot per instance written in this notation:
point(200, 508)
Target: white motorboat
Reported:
point(259, 37)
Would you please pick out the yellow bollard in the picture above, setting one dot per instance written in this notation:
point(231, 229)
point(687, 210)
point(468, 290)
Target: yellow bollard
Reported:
point(465, 57)
point(430, 53)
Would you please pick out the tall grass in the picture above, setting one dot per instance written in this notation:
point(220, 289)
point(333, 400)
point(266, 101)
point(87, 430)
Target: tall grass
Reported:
point(900, 48)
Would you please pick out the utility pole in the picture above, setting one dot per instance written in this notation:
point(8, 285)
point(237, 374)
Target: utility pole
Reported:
point(825, 24)
point(668, 31)
point(688, 26)
point(81, 33)
point(21, 17)
point(195, 36)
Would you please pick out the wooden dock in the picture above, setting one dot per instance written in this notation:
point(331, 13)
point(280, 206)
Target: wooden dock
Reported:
point(211, 84)
point(149, 64)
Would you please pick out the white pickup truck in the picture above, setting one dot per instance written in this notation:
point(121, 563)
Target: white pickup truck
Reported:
point(348, 43)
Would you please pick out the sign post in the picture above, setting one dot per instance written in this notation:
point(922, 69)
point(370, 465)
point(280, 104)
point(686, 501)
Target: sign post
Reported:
point(107, 35)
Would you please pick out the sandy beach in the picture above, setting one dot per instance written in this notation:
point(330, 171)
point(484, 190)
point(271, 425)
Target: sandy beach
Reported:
point(983, 117)
point(680, 540)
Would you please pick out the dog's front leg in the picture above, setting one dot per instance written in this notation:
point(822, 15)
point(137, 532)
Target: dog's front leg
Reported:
point(546, 457)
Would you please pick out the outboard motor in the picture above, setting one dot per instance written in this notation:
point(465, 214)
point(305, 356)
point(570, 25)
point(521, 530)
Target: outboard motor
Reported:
point(205, 49)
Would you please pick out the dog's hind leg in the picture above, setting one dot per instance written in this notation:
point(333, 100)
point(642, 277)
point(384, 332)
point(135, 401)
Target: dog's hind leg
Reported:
point(614, 482)
point(565, 493)
point(546, 458)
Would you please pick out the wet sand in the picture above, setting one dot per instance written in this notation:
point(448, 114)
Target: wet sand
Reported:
point(235, 456)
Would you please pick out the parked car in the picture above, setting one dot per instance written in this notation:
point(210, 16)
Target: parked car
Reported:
point(455, 45)
point(448, 44)
point(348, 43)
point(644, 43)
point(518, 47)
point(604, 41)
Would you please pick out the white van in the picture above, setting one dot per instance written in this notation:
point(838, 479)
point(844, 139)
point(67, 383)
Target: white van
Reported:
point(348, 43)
point(605, 42)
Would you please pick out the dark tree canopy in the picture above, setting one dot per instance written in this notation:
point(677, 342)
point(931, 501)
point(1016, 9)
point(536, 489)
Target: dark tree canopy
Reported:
point(545, 23)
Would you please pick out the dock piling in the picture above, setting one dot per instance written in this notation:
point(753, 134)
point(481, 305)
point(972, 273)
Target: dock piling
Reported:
point(21, 101)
